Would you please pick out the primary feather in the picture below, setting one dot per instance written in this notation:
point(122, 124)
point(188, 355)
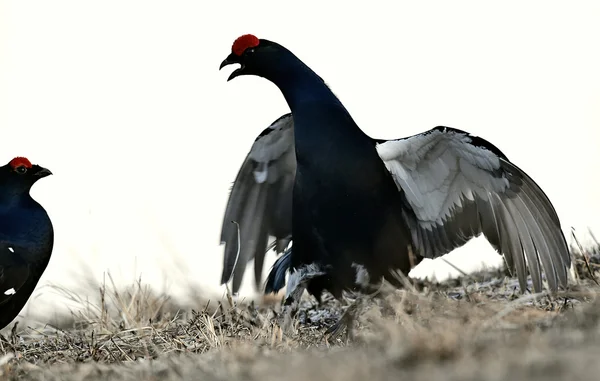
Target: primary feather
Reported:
point(259, 204)
point(457, 189)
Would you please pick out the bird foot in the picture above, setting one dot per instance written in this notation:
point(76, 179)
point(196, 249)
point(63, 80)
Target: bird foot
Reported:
point(286, 318)
point(296, 286)
point(345, 321)
point(337, 329)
point(289, 310)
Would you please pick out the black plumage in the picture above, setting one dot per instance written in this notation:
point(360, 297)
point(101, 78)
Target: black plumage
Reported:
point(26, 236)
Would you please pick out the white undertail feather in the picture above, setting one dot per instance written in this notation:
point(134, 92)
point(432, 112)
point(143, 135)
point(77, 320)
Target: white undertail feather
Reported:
point(300, 277)
point(362, 275)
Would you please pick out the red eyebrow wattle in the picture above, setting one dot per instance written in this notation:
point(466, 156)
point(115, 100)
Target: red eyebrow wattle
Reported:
point(244, 42)
point(20, 161)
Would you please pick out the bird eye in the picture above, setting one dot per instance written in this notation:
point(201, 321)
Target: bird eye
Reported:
point(21, 169)
point(250, 50)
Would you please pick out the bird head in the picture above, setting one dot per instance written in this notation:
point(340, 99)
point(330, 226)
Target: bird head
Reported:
point(20, 174)
point(255, 56)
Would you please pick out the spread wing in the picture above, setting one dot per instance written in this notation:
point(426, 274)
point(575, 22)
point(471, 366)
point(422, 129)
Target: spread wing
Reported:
point(260, 202)
point(457, 186)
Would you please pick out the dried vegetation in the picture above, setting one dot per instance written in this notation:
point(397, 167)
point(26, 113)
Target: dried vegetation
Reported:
point(475, 328)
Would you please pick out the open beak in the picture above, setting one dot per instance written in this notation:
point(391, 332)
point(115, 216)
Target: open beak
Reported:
point(232, 59)
point(43, 172)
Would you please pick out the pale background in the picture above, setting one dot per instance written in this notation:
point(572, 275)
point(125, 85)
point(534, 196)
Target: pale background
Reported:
point(124, 102)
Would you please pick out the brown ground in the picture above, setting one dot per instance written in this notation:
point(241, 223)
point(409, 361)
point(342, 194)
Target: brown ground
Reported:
point(477, 328)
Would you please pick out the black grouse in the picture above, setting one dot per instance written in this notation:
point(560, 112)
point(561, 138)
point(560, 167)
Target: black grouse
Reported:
point(26, 236)
point(377, 207)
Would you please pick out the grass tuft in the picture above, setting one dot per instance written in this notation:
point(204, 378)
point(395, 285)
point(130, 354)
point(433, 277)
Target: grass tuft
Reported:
point(475, 328)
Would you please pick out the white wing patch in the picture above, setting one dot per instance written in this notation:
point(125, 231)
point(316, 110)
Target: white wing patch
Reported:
point(261, 172)
point(438, 170)
point(10, 291)
point(272, 146)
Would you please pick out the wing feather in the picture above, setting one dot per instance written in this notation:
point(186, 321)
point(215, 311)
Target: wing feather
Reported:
point(260, 202)
point(457, 186)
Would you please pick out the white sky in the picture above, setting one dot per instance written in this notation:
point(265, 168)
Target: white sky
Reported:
point(124, 102)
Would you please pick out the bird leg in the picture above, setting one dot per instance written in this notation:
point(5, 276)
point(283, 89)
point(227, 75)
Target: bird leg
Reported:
point(290, 307)
point(364, 287)
point(346, 320)
point(297, 283)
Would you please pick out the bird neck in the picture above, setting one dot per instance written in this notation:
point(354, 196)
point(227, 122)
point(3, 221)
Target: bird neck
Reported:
point(15, 209)
point(25, 224)
point(298, 83)
point(11, 198)
point(321, 122)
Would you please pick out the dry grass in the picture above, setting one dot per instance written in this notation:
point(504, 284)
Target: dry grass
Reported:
point(476, 328)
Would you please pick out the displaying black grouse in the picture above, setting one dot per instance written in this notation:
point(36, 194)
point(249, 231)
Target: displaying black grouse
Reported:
point(26, 236)
point(260, 203)
point(367, 205)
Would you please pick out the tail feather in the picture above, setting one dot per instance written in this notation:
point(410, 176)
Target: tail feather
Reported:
point(276, 278)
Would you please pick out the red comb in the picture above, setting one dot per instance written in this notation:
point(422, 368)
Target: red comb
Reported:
point(244, 42)
point(20, 161)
